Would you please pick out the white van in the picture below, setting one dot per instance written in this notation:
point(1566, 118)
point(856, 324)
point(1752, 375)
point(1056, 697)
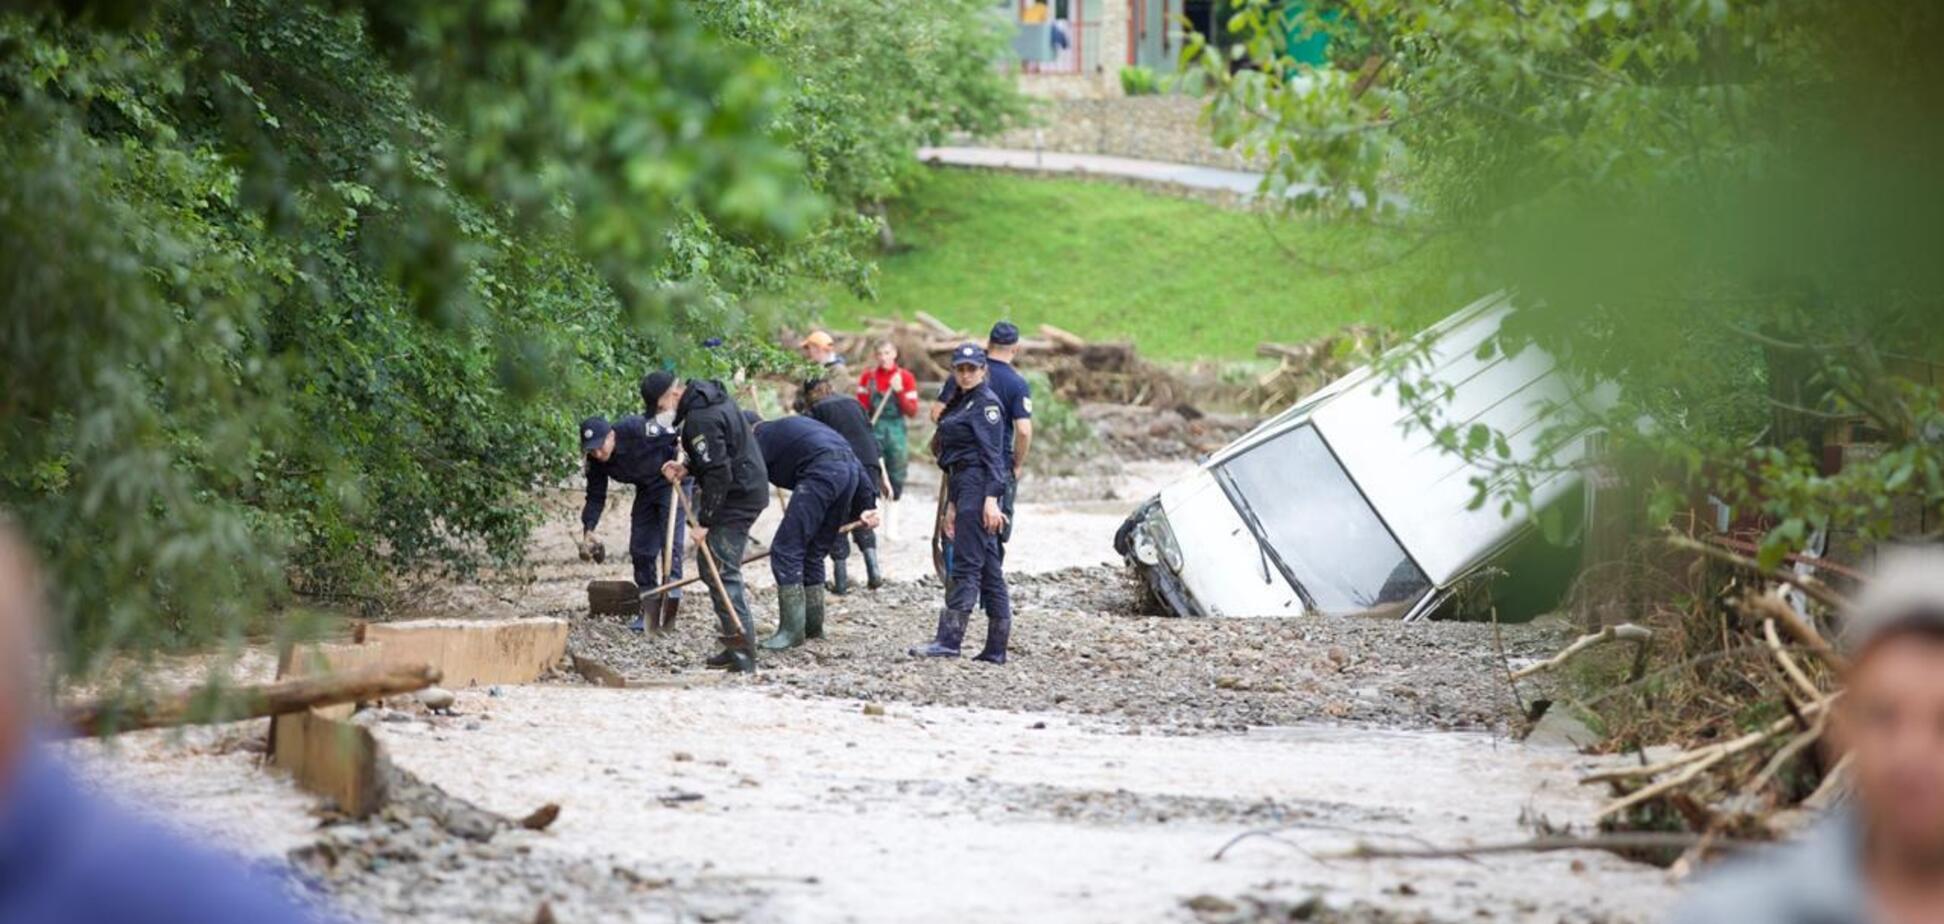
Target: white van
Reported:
point(1345, 504)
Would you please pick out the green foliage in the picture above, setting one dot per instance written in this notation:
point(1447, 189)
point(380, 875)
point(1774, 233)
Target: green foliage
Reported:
point(1727, 209)
point(301, 294)
point(1182, 279)
point(1059, 433)
point(1136, 80)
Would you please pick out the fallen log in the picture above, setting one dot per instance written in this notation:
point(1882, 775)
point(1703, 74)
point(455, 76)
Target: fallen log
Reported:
point(99, 717)
point(1627, 632)
point(1064, 339)
point(938, 327)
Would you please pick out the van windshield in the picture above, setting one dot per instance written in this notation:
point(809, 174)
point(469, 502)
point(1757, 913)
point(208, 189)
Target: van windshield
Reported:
point(1319, 529)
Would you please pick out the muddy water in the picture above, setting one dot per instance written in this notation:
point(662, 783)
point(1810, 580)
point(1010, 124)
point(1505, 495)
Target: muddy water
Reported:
point(850, 816)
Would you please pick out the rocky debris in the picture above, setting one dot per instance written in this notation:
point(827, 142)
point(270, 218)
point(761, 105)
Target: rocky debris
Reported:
point(1214, 909)
point(596, 673)
point(1133, 432)
point(998, 801)
point(1082, 645)
point(430, 856)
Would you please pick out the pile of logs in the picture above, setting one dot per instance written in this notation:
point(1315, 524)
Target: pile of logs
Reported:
point(1305, 367)
point(1079, 370)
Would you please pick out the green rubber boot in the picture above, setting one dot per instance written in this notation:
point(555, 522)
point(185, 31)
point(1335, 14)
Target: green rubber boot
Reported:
point(813, 612)
point(789, 618)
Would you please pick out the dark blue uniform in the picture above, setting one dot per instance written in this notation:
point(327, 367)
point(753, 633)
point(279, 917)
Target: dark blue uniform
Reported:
point(843, 414)
point(67, 854)
point(1015, 403)
point(970, 445)
point(829, 489)
point(640, 448)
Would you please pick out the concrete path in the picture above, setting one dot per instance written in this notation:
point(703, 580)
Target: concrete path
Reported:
point(1242, 183)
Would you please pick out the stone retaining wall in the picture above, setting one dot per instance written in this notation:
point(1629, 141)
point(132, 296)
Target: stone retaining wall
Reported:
point(1165, 127)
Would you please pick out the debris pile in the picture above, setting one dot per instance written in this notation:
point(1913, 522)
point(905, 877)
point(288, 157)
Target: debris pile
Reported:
point(1740, 682)
point(1136, 433)
point(1305, 367)
point(1080, 370)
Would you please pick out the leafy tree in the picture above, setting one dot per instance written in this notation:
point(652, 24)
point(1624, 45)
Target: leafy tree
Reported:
point(1728, 208)
point(300, 294)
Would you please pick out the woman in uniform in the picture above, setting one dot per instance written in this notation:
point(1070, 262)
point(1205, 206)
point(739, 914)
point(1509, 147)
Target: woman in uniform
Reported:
point(968, 445)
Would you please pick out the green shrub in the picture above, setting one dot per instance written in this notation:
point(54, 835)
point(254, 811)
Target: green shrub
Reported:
point(1139, 81)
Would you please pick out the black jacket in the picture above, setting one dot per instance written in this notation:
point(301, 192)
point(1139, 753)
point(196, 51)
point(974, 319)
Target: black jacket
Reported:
point(971, 438)
point(843, 414)
point(640, 448)
point(723, 456)
point(793, 445)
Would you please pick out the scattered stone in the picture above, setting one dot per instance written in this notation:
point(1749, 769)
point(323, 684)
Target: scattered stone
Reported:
point(1210, 904)
point(873, 709)
point(541, 817)
point(437, 699)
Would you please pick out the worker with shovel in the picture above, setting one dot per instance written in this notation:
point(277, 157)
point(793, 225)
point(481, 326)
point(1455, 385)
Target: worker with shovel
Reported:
point(818, 399)
point(828, 488)
point(632, 451)
point(888, 393)
point(732, 489)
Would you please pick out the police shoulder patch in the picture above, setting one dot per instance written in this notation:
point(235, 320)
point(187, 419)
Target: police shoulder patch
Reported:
point(1027, 403)
point(702, 447)
point(992, 413)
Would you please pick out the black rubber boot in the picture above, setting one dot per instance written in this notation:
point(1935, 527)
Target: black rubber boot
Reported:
point(839, 576)
point(998, 631)
point(951, 631)
point(789, 619)
point(873, 578)
point(813, 612)
point(746, 658)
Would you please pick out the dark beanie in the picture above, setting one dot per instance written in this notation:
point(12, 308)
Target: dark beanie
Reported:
point(653, 386)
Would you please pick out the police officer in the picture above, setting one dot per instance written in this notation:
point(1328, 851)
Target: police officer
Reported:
point(820, 402)
point(732, 491)
point(969, 445)
point(1016, 403)
point(633, 451)
point(828, 488)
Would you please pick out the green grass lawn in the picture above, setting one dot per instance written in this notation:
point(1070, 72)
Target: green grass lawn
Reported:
point(1181, 278)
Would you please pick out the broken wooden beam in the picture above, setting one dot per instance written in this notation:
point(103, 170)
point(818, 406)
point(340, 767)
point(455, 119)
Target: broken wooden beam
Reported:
point(104, 716)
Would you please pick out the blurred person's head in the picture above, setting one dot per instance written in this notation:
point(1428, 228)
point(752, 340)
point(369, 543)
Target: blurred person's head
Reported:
point(887, 355)
point(661, 392)
point(20, 619)
point(1002, 343)
point(819, 347)
point(1891, 714)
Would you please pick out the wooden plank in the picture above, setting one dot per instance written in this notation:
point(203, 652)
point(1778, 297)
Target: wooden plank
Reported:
point(331, 758)
point(321, 750)
point(473, 652)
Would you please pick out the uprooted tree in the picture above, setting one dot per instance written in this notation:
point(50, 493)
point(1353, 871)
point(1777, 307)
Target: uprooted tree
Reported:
point(301, 294)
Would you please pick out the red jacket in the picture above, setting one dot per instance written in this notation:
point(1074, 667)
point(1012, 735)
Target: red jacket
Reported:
point(877, 382)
